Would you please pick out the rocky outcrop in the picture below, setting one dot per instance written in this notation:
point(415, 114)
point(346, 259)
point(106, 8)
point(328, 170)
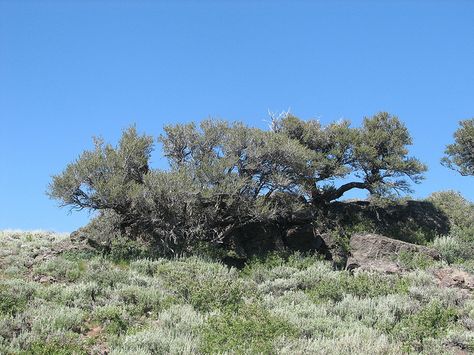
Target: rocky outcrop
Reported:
point(302, 238)
point(260, 238)
point(398, 220)
point(378, 253)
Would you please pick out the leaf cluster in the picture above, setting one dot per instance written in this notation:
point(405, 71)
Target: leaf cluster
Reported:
point(459, 156)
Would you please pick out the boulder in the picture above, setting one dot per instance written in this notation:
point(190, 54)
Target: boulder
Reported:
point(378, 253)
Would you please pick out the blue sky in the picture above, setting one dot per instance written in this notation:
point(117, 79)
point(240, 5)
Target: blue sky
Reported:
point(73, 69)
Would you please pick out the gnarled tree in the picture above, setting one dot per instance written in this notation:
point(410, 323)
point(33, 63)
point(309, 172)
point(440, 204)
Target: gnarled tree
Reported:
point(224, 176)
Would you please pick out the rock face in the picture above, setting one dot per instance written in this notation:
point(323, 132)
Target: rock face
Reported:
point(302, 238)
point(378, 253)
point(260, 238)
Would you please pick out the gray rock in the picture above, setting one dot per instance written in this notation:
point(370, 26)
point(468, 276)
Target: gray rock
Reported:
point(378, 253)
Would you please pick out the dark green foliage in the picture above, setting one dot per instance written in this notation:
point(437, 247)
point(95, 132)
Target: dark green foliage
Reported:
point(460, 155)
point(249, 330)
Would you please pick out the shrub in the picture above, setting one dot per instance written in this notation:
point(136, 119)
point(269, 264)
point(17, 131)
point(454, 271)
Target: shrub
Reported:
point(381, 313)
point(61, 269)
point(360, 285)
point(113, 317)
point(459, 210)
point(355, 340)
point(413, 260)
point(104, 273)
point(204, 285)
point(175, 332)
point(142, 300)
point(451, 249)
point(49, 318)
point(15, 295)
point(431, 321)
point(82, 295)
point(250, 329)
point(56, 347)
point(146, 267)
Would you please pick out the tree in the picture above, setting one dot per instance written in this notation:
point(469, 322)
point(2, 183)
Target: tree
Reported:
point(224, 176)
point(459, 156)
point(376, 154)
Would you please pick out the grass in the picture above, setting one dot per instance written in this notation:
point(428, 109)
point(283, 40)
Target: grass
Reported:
point(82, 303)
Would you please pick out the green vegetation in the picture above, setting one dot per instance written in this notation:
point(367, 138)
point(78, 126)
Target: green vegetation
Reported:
point(147, 275)
point(227, 180)
point(458, 246)
point(460, 155)
point(84, 303)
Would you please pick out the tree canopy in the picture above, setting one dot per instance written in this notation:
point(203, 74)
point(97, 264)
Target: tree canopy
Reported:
point(459, 156)
point(224, 175)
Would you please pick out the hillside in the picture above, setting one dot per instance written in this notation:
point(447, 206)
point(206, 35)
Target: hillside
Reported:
point(60, 298)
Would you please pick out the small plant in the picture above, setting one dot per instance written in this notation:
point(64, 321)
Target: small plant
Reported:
point(451, 249)
point(413, 260)
point(205, 286)
point(113, 317)
point(57, 347)
point(15, 295)
point(431, 321)
point(62, 269)
point(360, 285)
point(250, 329)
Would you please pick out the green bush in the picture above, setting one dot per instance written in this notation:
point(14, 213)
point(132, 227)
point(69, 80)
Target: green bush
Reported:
point(451, 249)
point(250, 329)
point(113, 317)
point(174, 332)
point(335, 287)
point(432, 321)
point(61, 269)
point(143, 300)
point(105, 273)
point(459, 210)
point(15, 295)
point(56, 347)
point(458, 246)
point(206, 286)
point(48, 318)
point(413, 260)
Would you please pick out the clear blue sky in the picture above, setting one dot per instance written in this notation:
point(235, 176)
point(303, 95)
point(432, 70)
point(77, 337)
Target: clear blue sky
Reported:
point(73, 69)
